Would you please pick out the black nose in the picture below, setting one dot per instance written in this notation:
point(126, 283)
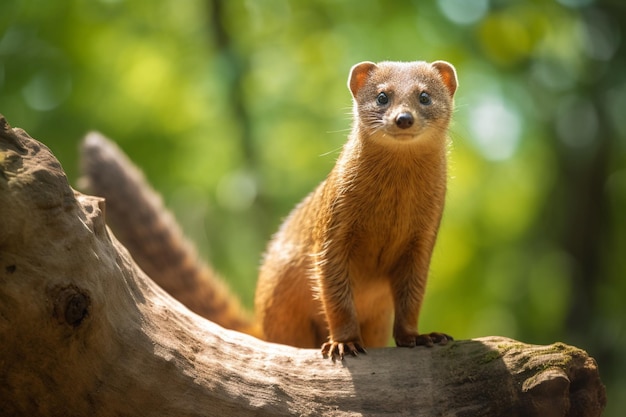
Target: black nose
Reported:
point(404, 120)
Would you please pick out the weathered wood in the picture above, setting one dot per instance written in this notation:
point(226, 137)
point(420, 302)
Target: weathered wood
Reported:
point(142, 223)
point(83, 331)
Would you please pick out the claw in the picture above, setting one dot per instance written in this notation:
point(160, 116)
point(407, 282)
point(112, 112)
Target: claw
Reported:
point(430, 339)
point(336, 350)
point(426, 339)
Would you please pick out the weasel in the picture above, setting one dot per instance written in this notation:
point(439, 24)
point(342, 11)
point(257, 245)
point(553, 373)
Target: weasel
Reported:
point(353, 253)
point(358, 248)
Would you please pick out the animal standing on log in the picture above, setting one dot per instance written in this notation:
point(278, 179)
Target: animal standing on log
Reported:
point(358, 248)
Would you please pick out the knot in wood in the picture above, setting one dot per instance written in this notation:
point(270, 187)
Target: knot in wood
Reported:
point(71, 305)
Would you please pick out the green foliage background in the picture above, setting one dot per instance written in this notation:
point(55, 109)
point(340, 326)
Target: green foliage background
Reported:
point(237, 109)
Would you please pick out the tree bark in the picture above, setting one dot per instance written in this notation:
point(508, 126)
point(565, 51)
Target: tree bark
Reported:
point(83, 331)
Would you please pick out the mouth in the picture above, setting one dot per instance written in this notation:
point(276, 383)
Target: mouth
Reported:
point(403, 136)
point(399, 135)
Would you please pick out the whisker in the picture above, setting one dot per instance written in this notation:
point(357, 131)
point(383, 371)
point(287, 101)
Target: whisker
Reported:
point(336, 150)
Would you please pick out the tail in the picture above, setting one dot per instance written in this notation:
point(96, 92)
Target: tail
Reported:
point(137, 216)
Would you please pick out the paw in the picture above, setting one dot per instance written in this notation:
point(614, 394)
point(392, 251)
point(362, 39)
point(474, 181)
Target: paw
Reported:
point(426, 339)
point(336, 350)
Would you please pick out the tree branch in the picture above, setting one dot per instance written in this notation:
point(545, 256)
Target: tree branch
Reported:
point(85, 332)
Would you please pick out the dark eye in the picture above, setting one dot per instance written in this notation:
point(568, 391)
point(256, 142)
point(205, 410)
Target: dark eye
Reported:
point(382, 99)
point(425, 98)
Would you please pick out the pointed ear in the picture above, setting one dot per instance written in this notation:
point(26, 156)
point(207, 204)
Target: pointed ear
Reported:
point(448, 75)
point(359, 75)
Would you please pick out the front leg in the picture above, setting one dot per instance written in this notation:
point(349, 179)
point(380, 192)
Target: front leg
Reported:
point(408, 283)
point(337, 298)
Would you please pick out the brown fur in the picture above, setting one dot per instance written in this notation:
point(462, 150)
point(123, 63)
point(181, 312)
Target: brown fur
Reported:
point(358, 248)
point(354, 251)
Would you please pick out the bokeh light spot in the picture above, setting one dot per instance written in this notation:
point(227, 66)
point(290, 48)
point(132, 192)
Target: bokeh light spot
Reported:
point(496, 128)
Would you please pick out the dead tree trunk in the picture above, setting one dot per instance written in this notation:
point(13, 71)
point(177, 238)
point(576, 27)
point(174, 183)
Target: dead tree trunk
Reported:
point(83, 331)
